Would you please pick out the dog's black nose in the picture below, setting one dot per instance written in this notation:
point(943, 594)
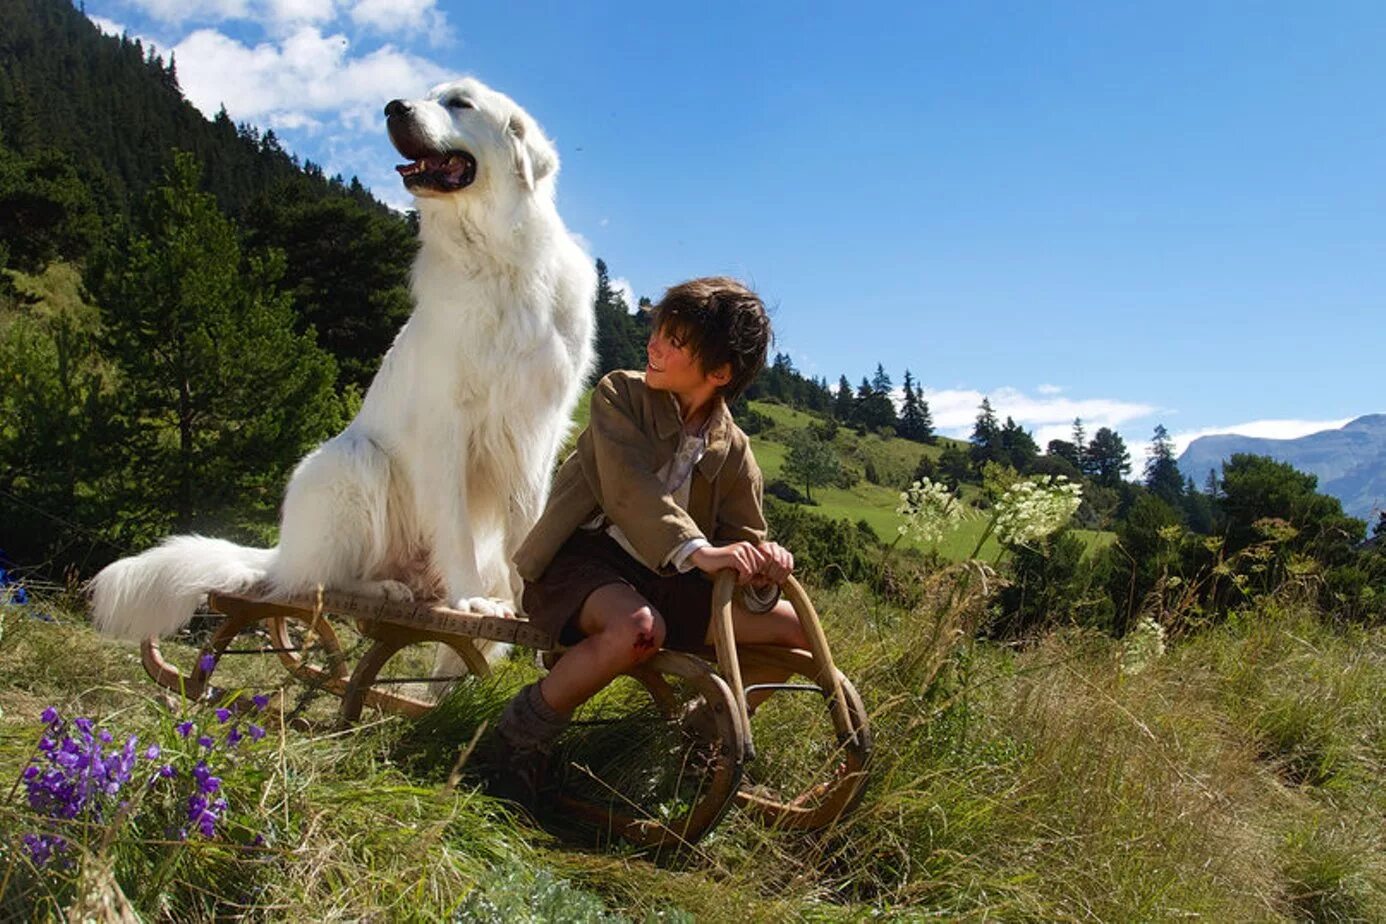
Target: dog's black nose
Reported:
point(396, 107)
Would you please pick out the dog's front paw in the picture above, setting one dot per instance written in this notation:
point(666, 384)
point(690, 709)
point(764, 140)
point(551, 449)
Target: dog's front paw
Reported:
point(487, 606)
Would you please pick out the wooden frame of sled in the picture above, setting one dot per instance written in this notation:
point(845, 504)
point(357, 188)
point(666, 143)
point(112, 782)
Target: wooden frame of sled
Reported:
point(673, 680)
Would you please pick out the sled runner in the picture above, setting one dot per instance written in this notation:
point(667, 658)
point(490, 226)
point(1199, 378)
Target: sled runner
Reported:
point(657, 763)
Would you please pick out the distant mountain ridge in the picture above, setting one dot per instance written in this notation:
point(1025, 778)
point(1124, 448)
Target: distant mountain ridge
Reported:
point(1350, 462)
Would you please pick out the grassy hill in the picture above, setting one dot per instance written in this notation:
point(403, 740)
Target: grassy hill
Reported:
point(894, 461)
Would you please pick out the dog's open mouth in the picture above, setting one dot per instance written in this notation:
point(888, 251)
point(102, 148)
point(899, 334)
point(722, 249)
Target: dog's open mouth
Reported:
point(443, 172)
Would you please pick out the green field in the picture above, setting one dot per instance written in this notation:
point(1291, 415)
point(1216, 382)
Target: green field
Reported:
point(895, 461)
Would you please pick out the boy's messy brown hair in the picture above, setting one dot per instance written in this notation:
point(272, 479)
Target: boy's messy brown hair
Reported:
point(721, 321)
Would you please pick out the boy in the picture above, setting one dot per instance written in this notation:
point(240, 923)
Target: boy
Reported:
point(661, 493)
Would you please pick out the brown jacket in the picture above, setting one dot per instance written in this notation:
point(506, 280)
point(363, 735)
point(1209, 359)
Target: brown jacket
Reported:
point(633, 433)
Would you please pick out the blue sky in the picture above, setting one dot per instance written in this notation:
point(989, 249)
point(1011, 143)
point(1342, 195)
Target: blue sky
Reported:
point(1137, 213)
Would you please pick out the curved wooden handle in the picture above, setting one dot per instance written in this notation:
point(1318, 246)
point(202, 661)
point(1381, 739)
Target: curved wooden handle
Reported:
point(818, 645)
point(724, 642)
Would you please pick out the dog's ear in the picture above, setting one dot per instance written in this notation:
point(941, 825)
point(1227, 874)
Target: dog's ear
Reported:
point(535, 157)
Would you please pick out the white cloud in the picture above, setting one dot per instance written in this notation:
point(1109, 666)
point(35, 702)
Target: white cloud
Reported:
point(305, 73)
point(108, 26)
point(1049, 389)
point(174, 12)
point(623, 287)
point(1049, 414)
point(294, 120)
point(301, 11)
point(400, 17)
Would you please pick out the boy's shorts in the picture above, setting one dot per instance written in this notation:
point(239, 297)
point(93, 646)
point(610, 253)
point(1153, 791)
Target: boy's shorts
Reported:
point(589, 560)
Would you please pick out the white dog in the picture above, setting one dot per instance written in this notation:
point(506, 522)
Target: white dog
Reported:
point(446, 467)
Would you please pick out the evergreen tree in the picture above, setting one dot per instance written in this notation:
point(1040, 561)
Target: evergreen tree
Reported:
point(46, 211)
point(620, 344)
point(1079, 438)
point(986, 436)
point(1210, 485)
point(873, 408)
point(915, 423)
point(880, 382)
point(843, 404)
point(1106, 460)
point(350, 278)
point(221, 395)
point(1018, 449)
point(1162, 476)
point(955, 466)
point(56, 405)
point(1068, 452)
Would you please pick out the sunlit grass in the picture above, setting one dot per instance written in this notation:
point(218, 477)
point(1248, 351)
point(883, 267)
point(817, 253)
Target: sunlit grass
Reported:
point(1240, 776)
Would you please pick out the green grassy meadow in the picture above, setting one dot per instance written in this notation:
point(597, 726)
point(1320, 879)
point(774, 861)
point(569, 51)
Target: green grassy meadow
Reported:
point(1241, 776)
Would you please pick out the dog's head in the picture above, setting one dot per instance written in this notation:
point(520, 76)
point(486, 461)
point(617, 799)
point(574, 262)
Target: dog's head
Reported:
point(464, 135)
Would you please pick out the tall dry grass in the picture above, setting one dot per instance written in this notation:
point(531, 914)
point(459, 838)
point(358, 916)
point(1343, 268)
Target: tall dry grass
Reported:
point(1237, 777)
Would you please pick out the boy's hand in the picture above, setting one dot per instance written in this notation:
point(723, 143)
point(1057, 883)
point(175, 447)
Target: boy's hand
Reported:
point(743, 557)
point(776, 564)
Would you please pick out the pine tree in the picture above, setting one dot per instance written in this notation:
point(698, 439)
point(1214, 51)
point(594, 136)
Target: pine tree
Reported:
point(986, 436)
point(874, 408)
point(1018, 449)
point(620, 344)
point(221, 395)
point(880, 382)
point(914, 414)
point(1106, 459)
point(1079, 439)
point(1162, 476)
point(1210, 484)
point(843, 402)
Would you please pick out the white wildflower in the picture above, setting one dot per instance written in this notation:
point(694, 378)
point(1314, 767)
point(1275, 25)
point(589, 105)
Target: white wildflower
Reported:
point(1142, 645)
point(929, 510)
point(1031, 510)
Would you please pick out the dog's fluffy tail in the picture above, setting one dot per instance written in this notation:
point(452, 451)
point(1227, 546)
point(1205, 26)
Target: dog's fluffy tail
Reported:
point(155, 592)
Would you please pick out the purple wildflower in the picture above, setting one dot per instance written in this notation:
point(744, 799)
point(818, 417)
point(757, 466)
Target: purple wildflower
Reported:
point(184, 729)
point(205, 781)
point(256, 732)
point(206, 741)
point(233, 737)
point(260, 700)
point(152, 752)
point(49, 716)
point(223, 714)
point(83, 724)
point(207, 662)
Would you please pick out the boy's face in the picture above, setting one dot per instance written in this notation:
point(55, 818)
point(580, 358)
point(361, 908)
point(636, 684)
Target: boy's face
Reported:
point(673, 367)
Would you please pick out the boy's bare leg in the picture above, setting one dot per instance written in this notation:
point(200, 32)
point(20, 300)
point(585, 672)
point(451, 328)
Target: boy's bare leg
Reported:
point(779, 626)
point(622, 630)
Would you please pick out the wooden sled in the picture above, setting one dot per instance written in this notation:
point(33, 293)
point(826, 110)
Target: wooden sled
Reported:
point(708, 772)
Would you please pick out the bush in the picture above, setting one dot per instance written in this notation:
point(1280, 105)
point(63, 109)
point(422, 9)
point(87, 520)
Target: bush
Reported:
point(787, 492)
point(824, 550)
point(753, 421)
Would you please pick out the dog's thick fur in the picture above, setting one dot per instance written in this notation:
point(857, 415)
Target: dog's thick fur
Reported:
point(446, 467)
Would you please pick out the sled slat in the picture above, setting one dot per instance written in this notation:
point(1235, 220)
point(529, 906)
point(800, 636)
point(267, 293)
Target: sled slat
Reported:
point(427, 616)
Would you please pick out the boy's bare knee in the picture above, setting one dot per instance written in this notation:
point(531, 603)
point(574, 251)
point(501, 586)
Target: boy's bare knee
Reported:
point(647, 633)
point(635, 636)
